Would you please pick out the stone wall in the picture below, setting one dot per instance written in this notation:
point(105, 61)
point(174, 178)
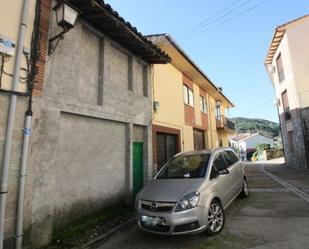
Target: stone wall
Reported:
point(272, 154)
point(305, 123)
point(294, 152)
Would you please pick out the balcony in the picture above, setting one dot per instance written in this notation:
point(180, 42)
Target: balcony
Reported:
point(223, 123)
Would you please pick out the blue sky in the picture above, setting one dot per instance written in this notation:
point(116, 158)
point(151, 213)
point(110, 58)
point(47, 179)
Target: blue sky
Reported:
point(230, 46)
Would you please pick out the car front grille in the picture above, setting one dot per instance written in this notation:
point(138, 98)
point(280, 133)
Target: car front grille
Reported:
point(156, 228)
point(154, 206)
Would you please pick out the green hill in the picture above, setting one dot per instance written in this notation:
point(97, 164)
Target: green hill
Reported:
point(264, 127)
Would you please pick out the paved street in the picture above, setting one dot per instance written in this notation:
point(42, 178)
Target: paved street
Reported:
point(274, 216)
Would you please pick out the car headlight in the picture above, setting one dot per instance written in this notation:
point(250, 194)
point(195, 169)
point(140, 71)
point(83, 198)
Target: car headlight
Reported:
point(188, 201)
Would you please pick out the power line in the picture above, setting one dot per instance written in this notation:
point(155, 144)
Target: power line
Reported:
point(215, 15)
point(258, 107)
point(208, 26)
point(219, 15)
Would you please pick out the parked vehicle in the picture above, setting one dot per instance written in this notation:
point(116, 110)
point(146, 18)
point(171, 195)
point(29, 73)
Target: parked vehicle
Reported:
point(190, 193)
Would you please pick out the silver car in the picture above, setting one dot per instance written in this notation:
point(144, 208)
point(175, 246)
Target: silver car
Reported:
point(190, 193)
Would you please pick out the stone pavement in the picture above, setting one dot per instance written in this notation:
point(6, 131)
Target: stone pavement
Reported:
point(272, 217)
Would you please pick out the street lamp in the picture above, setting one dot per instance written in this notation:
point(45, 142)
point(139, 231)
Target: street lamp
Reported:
point(66, 17)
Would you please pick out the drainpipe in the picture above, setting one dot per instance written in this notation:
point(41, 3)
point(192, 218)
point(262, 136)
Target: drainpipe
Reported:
point(27, 129)
point(11, 119)
point(22, 179)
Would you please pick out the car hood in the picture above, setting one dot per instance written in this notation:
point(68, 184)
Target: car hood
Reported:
point(169, 190)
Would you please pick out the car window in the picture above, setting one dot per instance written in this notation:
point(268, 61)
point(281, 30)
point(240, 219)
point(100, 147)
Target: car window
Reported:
point(186, 166)
point(213, 173)
point(219, 162)
point(230, 157)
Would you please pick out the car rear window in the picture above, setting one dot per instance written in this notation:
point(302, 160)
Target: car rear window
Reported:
point(186, 166)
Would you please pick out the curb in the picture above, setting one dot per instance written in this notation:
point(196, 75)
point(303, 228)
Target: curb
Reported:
point(95, 243)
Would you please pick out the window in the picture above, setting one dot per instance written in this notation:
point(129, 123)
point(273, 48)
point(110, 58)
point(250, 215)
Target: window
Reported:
point(280, 68)
point(187, 166)
point(230, 157)
point(203, 104)
point(191, 98)
point(218, 112)
point(188, 95)
point(185, 94)
point(213, 173)
point(219, 162)
point(286, 107)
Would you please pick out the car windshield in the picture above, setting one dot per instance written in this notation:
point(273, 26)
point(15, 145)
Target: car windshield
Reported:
point(186, 166)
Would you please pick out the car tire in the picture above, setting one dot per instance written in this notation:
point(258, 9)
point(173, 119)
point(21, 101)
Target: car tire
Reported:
point(216, 218)
point(245, 189)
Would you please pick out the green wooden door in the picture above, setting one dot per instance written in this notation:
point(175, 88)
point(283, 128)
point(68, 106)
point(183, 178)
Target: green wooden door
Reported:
point(138, 173)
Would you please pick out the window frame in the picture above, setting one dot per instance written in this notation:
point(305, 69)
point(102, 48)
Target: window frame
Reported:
point(203, 104)
point(219, 154)
point(214, 171)
point(188, 95)
point(280, 68)
point(185, 94)
point(218, 112)
point(229, 163)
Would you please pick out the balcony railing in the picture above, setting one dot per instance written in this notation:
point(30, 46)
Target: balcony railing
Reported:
point(224, 123)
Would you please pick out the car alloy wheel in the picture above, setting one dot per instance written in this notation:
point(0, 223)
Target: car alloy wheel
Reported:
point(216, 218)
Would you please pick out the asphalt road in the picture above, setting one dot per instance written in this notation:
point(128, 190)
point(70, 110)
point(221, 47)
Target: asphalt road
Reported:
point(274, 216)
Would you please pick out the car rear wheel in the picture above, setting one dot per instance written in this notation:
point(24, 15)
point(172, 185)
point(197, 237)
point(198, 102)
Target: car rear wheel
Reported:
point(245, 189)
point(216, 218)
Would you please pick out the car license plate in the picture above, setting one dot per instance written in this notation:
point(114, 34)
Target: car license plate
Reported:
point(153, 221)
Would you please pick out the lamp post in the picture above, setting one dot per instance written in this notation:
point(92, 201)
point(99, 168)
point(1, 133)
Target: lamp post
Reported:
point(66, 17)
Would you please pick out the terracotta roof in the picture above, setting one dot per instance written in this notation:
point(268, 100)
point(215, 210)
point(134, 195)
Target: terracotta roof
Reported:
point(245, 136)
point(277, 37)
point(158, 38)
point(109, 22)
point(240, 136)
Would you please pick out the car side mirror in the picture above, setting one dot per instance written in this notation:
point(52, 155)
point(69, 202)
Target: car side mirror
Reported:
point(223, 172)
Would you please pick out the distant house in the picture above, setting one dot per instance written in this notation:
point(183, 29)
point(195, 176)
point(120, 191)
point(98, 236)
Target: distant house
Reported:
point(246, 143)
point(287, 63)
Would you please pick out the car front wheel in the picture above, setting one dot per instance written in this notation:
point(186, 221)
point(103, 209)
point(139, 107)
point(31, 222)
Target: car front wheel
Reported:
point(245, 189)
point(216, 218)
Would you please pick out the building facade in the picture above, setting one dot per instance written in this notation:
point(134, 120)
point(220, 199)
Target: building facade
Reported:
point(91, 142)
point(287, 64)
point(189, 110)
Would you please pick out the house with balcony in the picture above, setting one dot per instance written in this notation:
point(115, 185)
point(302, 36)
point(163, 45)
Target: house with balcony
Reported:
point(287, 63)
point(189, 109)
